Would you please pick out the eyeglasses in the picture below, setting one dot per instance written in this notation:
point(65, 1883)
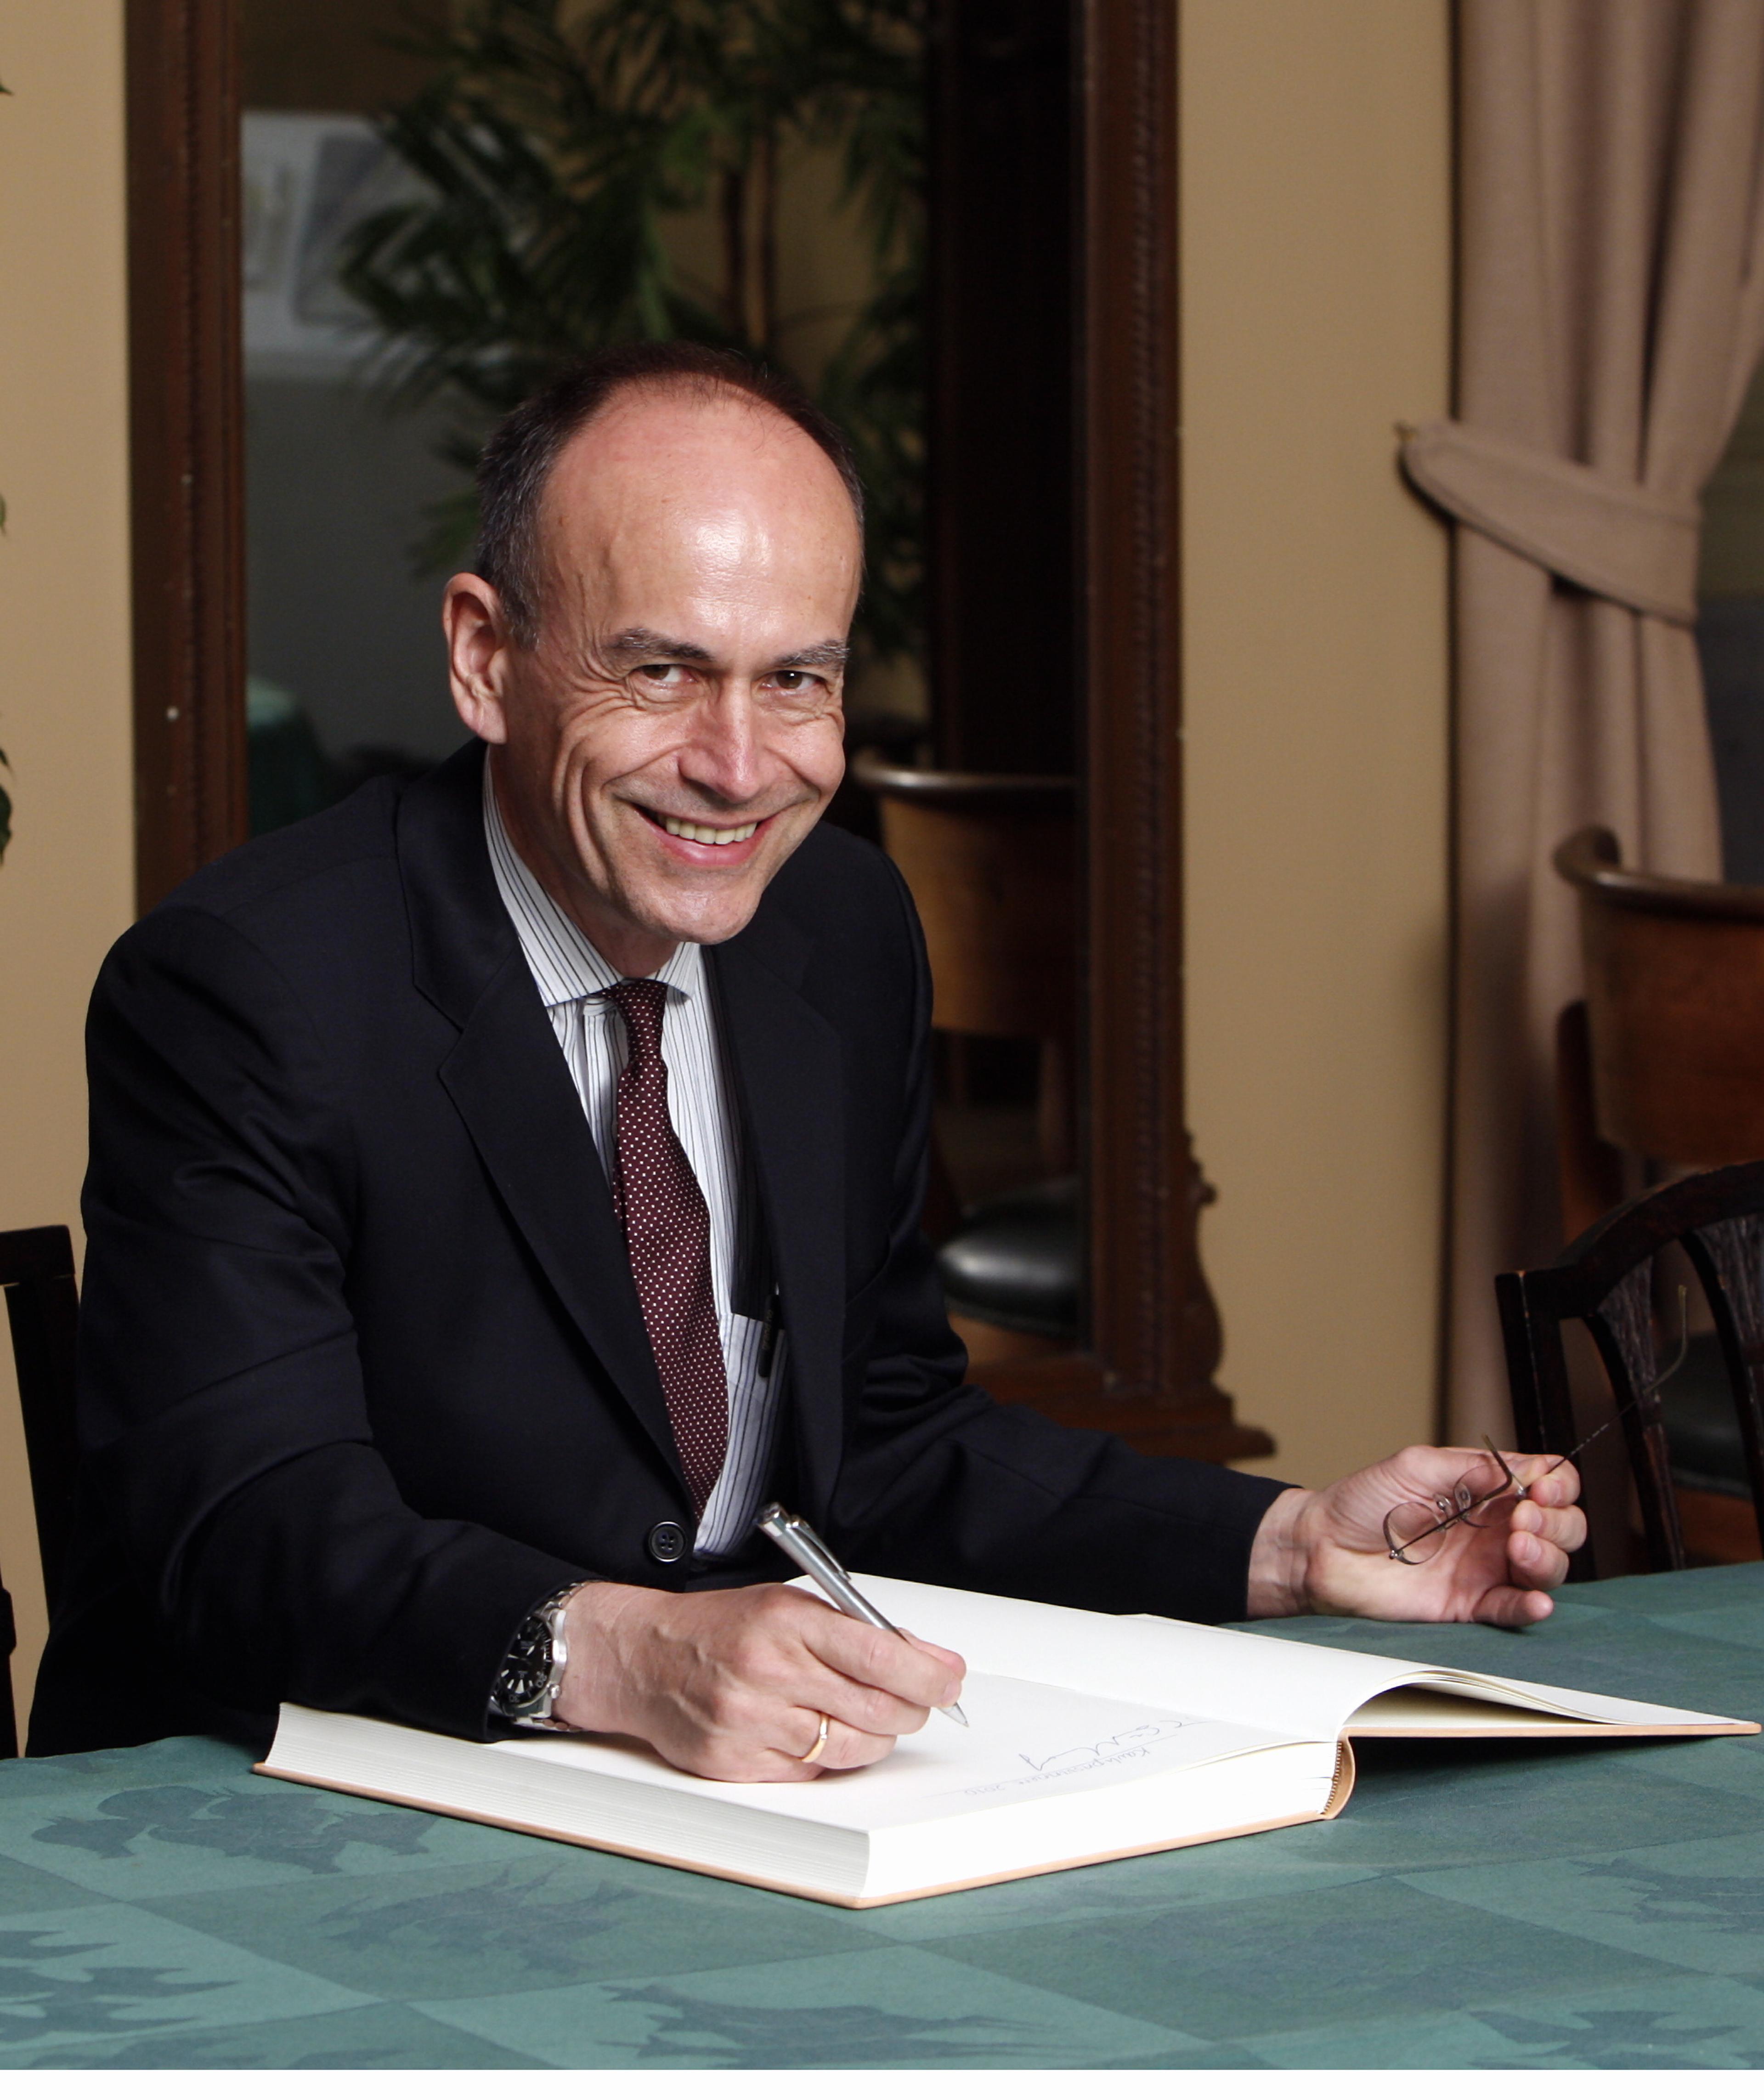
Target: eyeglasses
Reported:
point(1484, 1496)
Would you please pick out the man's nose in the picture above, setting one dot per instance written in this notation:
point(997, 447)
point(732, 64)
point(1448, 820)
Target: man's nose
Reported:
point(726, 755)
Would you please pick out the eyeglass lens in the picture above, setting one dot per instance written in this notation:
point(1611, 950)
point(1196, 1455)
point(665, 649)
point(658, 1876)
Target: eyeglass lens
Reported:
point(1484, 1493)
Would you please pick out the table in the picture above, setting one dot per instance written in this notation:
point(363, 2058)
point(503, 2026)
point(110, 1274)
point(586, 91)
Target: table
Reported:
point(1575, 1905)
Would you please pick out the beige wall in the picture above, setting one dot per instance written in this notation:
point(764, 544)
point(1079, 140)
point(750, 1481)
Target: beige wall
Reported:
point(67, 882)
point(1316, 172)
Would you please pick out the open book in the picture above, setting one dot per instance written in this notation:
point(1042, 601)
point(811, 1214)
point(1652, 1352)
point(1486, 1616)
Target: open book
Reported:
point(1091, 1738)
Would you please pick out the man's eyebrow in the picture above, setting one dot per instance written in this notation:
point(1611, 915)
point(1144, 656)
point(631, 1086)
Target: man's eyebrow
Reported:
point(644, 641)
point(818, 656)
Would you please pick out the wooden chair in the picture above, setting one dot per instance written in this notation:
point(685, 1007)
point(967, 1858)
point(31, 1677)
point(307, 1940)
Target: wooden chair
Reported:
point(1605, 1280)
point(1672, 1062)
point(991, 861)
point(1663, 1061)
point(42, 1309)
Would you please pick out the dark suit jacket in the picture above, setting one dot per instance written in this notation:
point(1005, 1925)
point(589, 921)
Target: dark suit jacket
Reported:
point(362, 1373)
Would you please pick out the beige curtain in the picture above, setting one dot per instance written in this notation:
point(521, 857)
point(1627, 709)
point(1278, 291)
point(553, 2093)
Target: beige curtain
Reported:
point(1611, 312)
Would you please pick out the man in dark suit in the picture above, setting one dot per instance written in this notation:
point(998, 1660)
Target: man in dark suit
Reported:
point(500, 1186)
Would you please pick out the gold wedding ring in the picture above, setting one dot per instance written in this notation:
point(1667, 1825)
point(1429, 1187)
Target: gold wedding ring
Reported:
point(813, 1755)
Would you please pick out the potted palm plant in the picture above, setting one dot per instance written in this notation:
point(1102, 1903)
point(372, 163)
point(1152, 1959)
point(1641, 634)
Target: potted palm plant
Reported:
point(555, 147)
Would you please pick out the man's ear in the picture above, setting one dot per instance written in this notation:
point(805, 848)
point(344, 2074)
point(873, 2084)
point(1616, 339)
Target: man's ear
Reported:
point(478, 648)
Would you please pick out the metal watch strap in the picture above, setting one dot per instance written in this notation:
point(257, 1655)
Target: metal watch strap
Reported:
point(532, 1676)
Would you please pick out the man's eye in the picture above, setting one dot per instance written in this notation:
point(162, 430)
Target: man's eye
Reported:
point(663, 674)
point(795, 682)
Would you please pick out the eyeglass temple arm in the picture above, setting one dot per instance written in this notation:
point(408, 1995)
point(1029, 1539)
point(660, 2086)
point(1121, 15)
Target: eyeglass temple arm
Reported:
point(1513, 1479)
point(1522, 1488)
point(1647, 1392)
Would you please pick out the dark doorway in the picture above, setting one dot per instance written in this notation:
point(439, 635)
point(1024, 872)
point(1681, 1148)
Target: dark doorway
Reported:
point(1003, 571)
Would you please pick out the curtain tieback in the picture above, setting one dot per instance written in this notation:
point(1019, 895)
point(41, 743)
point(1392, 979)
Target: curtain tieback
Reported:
point(1614, 538)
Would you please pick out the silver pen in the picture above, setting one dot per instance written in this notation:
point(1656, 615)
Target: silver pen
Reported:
point(800, 1542)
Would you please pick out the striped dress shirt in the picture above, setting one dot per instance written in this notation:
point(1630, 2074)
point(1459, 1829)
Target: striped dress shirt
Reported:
point(573, 977)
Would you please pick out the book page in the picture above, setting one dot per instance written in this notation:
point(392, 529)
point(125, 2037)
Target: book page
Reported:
point(1288, 1688)
point(1484, 1695)
point(1413, 1711)
point(1026, 1742)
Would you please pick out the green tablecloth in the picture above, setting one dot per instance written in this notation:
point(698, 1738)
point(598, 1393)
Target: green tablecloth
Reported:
point(1572, 1906)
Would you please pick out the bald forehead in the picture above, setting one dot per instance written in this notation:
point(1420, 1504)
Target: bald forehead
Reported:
point(657, 441)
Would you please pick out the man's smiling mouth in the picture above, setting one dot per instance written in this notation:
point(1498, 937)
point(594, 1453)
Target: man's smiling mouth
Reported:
point(703, 835)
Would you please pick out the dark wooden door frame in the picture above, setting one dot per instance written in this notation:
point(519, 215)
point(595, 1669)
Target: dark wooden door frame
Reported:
point(1154, 1332)
point(187, 418)
point(1153, 1329)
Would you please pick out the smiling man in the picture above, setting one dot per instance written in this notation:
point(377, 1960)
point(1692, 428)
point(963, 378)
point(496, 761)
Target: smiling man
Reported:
point(501, 1187)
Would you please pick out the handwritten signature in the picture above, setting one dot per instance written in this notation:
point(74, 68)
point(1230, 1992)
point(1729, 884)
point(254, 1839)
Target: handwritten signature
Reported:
point(1121, 1749)
point(1139, 1738)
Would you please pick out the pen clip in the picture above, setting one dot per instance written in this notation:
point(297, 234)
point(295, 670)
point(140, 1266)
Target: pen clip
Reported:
point(801, 1542)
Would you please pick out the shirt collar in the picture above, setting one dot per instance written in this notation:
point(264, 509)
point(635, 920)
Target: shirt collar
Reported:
point(566, 964)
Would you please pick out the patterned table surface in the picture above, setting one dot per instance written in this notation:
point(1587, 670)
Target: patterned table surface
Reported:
point(1499, 1906)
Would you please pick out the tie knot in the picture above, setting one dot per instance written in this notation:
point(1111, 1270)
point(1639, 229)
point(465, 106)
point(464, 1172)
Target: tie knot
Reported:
point(640, 1001)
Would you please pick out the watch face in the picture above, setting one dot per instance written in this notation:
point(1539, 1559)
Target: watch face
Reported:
point(526, 1676)
point(519, 1689)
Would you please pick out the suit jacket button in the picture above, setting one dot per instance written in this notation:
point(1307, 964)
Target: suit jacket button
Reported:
point(667, 1543)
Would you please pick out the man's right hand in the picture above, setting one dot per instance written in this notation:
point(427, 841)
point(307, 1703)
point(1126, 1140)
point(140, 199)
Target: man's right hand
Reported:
point(731, 1684)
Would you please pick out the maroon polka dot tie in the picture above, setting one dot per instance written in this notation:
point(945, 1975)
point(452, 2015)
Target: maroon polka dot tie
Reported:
point(668, 1232)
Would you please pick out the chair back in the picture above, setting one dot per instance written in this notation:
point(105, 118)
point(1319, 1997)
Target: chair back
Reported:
point(991, 861)
point(1605, 1280)
point(43, 1307)
point(1675, 1007)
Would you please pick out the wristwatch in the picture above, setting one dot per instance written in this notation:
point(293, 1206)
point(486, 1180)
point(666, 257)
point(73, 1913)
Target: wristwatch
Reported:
point(532, 1676)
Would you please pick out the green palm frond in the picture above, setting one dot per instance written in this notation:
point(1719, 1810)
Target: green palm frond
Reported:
point(552, 149)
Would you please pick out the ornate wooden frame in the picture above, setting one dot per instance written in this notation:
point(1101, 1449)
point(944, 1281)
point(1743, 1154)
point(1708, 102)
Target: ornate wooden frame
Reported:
point(1154, 1334)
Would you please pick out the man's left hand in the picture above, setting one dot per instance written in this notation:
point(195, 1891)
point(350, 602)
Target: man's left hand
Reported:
point(1324, 1550)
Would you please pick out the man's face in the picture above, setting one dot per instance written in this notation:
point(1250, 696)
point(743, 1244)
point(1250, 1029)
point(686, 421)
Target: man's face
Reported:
point(677, 727)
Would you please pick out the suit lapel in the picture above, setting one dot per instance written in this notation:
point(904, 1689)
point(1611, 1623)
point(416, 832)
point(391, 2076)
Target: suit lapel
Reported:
point(787, 1070)
point(509, 1083)
point(508, 1079)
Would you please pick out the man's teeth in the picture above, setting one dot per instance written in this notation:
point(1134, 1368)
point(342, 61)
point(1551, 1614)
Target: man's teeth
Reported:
point(702, 835)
